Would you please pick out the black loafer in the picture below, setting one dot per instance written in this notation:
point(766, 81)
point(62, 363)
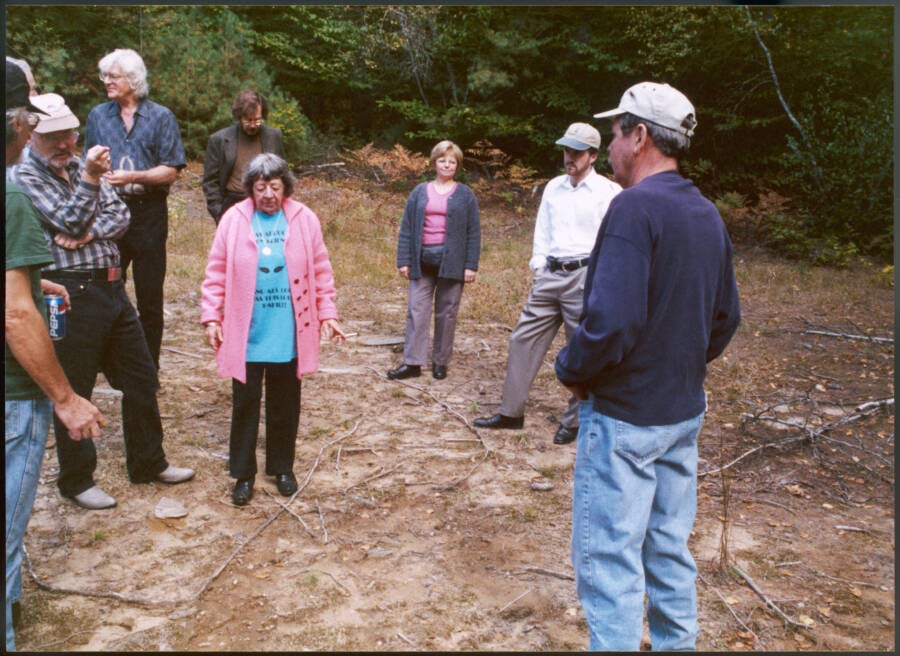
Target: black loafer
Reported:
point(565, 435)
point(242, 492)
point(286, 484)
point(499, 421)
point(405, 371)
point(439, 371)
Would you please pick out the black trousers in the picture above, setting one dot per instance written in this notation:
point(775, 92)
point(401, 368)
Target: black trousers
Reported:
point(103, 334)
point(144, 247)
point(282, 418)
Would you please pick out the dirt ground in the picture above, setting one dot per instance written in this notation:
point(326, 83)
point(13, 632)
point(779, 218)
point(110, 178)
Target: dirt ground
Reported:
point(413, 531)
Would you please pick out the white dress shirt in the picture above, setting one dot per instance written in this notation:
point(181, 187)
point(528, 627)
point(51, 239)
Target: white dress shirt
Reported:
point(569, 217)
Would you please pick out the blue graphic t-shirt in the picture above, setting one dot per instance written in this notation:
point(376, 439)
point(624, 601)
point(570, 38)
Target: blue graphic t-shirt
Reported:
point(272, 324)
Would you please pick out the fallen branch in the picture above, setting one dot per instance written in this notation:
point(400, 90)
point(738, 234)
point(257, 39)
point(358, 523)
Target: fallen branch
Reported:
point(295, 515)
point(730, 609)
point(514, 601)
point(768, 602)
point(63, 641)
point(549, 572)
point(322, 522)
point(184, 353)
point(885, 340)
point(210, 579)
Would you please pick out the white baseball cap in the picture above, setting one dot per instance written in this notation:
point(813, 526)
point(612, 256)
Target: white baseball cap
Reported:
point(580, 136)
point(58, 115)
point(657, 103)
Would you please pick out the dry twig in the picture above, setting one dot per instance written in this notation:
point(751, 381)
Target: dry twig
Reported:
point(768, 602)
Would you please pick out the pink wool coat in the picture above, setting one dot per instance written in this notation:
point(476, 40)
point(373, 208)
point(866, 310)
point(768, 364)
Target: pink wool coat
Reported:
point(230, 283)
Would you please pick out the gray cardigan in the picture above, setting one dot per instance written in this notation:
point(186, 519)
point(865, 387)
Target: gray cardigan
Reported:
point(462, 243)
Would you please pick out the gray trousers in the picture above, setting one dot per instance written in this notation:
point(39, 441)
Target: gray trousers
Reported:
point(555, 298)
point(445, 295)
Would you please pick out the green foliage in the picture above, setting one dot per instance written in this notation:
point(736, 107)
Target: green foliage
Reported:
point(343, 76)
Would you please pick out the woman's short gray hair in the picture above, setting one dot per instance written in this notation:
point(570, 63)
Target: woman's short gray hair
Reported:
point(132, 68)
point(269, 166)
point(671, 143)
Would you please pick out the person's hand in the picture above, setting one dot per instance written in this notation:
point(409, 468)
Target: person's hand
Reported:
point(403, 271)
point(96, 161)
point(71, 243)
point(50, 287)
point(213, 334)
point(331, 330)
point(80, 416)
point(469, 275)
point(579, 390)
point(120, 177)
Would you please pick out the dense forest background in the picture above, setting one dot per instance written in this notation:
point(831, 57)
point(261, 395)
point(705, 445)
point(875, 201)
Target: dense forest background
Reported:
point(795, 103)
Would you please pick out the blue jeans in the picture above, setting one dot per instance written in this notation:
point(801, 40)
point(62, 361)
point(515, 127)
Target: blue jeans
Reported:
point(635, 498)
point(27, 424)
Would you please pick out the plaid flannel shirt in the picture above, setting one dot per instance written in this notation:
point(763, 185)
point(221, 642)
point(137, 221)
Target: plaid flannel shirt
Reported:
point(73, 208)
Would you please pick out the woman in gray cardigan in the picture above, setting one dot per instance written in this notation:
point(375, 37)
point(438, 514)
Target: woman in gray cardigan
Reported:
point(437, 251)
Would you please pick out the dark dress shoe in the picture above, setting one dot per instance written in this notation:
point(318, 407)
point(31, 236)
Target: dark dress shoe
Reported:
point(286, 484)
point(439, 371)
point(565, 435)
point(499, 421)
point(405, 371)
point(242, 492)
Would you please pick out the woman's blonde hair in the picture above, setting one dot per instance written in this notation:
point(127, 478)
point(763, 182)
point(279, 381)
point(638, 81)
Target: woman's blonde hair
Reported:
point(444, 147)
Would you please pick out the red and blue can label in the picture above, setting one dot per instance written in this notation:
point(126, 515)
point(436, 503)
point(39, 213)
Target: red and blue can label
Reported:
point(56, 313)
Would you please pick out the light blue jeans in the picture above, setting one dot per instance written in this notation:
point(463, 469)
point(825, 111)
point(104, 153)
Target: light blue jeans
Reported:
point(635, 499)
point(27, 424)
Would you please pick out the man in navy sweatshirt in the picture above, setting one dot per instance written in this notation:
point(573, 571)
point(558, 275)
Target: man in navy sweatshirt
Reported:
point(660, 302)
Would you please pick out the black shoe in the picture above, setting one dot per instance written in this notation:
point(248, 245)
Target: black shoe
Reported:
point(565, 435)
point(286, 484)
point(499, 421)
point(242, 492)
point(439, 371)
point(405, 371)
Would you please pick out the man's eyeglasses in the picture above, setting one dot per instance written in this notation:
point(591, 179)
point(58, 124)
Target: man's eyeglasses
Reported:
point(252, 121)
point(110, 77)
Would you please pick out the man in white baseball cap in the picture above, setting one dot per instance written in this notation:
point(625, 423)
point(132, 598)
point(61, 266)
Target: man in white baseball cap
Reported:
point(569, 216)
point(660, 302)
point(659, 104)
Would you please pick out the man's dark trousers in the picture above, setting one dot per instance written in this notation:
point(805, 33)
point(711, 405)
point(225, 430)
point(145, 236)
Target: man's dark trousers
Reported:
point(103, 334)
point(144, 247)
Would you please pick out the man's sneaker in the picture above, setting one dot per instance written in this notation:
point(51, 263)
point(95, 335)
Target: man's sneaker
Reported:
point(173, 474)
point(94, 498)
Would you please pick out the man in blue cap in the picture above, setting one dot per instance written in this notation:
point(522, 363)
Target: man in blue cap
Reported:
point(571, 211)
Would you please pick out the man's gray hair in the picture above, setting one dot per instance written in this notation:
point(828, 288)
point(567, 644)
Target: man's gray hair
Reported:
point(269, 166)
point(132, 68)
point(670, 142)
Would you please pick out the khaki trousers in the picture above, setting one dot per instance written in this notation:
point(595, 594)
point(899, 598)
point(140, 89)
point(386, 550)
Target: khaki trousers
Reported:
point(556, 298)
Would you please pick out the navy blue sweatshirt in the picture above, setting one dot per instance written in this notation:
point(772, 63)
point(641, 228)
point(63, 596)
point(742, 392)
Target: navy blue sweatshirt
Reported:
point(660, 301)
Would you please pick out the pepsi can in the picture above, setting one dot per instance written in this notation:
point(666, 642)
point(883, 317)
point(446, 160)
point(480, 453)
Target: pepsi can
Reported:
point(56, 313)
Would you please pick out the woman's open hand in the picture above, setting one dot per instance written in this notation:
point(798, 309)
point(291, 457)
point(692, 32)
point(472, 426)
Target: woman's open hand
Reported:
point(331, 330)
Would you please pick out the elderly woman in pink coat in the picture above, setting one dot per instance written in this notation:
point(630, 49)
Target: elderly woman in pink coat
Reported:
point(267, 299)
